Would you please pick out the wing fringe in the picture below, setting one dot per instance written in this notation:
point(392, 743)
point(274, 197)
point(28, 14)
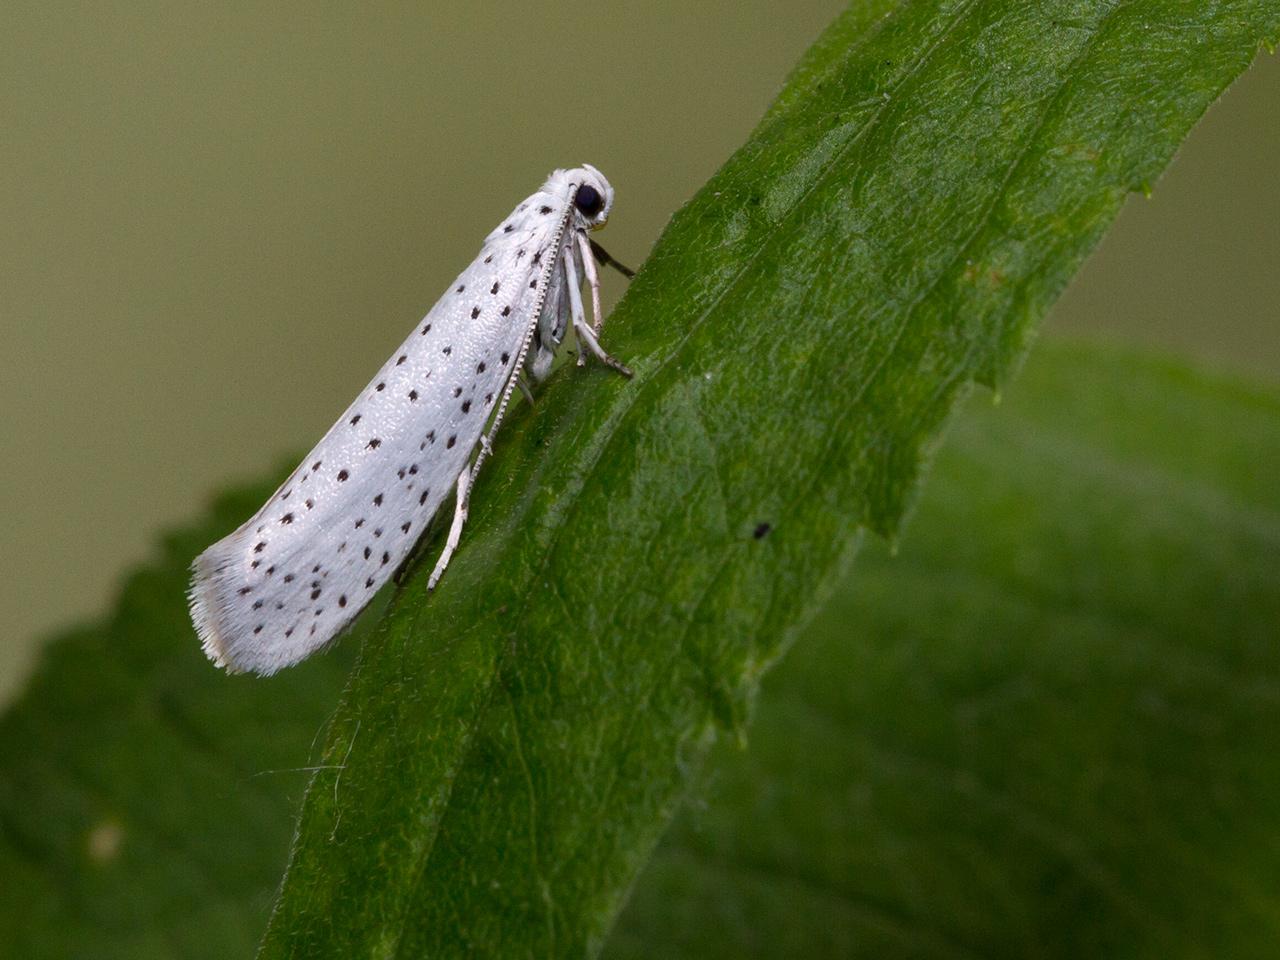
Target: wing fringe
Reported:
point(208, 607)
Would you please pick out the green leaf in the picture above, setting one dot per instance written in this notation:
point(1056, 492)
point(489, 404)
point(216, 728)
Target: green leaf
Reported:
point(509, 750)
point(1046, 728)
point(146, 801)
point(506, 755)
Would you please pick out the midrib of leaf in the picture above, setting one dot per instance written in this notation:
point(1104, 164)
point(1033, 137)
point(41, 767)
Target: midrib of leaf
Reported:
point(334, 903)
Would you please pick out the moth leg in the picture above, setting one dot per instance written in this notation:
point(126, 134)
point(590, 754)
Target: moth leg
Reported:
point(589, 338)
point(593, 281)
point(575, 296)
point(605, 260)
point(524, 388)
point(580, 326)
point(455, 528)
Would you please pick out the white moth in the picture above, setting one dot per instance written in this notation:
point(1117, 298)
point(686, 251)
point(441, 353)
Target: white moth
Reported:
point(291, 578)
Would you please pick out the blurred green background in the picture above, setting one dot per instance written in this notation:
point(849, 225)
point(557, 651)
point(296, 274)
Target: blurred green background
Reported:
point(216, 221)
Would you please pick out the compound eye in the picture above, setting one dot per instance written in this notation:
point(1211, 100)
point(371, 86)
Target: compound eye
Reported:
point(589, 200)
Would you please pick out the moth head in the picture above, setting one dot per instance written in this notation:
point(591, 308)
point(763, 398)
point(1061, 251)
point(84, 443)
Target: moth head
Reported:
point(592, 198)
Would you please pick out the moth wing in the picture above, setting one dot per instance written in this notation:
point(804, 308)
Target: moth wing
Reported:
point(289, 580)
